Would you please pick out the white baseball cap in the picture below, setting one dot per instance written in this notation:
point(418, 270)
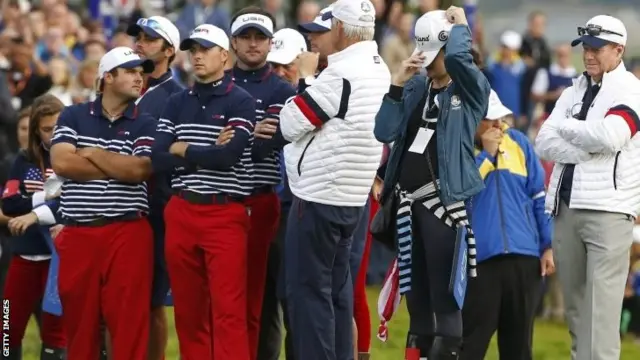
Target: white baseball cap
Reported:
point(431, 34)
point(353, 12)
point(511, 40)
point(206, 35)
point(256, 21)
point(317, 25)
point(287, 44)
point(496, 109)
point(123, 57)
point(157, 27)
point(600, 31)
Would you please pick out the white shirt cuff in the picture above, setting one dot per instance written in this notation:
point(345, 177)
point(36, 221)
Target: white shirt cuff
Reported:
point(45, 215)
point(38, 198)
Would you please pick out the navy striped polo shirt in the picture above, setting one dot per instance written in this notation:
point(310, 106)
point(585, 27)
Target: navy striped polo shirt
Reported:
point(197, 116)
point(270, 93)
point(84, 125)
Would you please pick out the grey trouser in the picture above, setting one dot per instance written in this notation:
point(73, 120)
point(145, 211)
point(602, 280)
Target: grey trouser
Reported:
point(591, 250)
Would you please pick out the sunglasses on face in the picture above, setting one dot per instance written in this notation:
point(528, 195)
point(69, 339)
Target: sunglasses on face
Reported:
point(595, 30)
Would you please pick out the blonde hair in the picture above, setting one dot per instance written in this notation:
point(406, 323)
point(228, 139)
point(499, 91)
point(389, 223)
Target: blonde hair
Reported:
point(360, 33)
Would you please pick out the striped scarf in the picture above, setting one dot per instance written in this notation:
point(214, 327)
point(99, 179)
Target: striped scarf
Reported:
point(454, 216)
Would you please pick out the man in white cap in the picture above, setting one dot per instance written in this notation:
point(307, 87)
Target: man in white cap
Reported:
point(207, 221)
point(287, 44)
point(514, 241)
point(319, 33)
point(432, 122)
point(157, 39)
point(103, 148)
point(594, 191)
point(330, 130)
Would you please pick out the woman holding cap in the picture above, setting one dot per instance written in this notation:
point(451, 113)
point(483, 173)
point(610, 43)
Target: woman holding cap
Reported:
point(433, 166)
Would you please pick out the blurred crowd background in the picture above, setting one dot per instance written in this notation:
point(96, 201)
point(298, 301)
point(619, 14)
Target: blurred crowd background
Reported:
point(54, 46)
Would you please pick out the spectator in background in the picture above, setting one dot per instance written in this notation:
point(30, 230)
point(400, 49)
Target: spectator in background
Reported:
point(61, 77)
point(95, 47)
point(83, 88)
point(121, 38)
point(399, 45)
point(286, 46)
point(276, 9)
point(201, 12)
point(307, 11)
point(52, 45)
point(28, 77)
point(550, 82)
point(506, 71)
point(536, 55)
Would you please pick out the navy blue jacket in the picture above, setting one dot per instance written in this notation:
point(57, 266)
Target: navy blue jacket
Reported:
point(153, 102)
point(25, 180)
point(462, 106)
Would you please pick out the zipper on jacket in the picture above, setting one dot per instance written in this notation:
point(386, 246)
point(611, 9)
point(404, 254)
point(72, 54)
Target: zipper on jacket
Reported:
point(500, 210)
point(615, 168)
point(302, 156)
point(556, 200)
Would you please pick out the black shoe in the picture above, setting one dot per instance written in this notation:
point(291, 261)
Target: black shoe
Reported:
point(445, 348)
point(422, 342)
point(51, 353)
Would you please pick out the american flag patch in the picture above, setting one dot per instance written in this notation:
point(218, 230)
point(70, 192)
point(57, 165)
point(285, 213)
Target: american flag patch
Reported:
point(33, 180)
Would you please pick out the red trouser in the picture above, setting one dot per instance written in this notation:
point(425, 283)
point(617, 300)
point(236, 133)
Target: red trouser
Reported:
point(105, 274)
point(265, 219)
point(361, 307)
point(24, 288)
point(206, 253)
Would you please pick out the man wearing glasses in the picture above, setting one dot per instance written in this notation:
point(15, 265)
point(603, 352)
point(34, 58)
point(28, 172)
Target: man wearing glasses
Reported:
point(594, 191)
point(157, 39)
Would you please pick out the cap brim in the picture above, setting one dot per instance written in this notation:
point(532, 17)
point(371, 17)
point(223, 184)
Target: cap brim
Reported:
point(429, 56)
point(281, 57)
point(590, 41)
point(187, 44)
point(147, 65)
point(498, 113)
point(247, 26)
point(134, 30)
point(312, 28)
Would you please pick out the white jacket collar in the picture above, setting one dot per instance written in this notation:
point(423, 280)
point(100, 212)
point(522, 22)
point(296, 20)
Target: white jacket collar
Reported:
point(355, 49)
point(617, 73)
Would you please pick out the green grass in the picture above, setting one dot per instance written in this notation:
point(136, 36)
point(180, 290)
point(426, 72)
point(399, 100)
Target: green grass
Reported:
point(551, 341)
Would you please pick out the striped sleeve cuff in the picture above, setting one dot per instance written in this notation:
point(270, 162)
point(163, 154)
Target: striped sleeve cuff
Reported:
point(64, 134)
point(628, 115)
point(142, 146)
point(241, 123)
point(311, 110)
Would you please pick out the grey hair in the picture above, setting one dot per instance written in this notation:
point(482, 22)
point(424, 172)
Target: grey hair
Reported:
point(355, 32)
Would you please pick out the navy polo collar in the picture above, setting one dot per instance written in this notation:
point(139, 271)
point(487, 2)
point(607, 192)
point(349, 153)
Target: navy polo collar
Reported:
point(258, 75)
point(95, 109)
point(155, 82)
point(218, 88)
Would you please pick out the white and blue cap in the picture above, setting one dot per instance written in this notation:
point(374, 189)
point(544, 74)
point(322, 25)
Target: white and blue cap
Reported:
point(353, 12)
point(431, 34)
point(125, 58)
point(207, 36)
point(496, 109)
point(286, 45)
point(318, 25)
point(600, 31)
point(259, 22)
point(157, 27)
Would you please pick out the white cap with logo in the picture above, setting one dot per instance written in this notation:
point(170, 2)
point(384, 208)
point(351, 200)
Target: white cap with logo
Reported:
point(123, 57)
point(256, 21)
point(600, 31)
point(431, 34)
point(286, 45)
point(496, 109)
point(207, 36)
point(353, 12)
point(318, 25)
point(157, 27)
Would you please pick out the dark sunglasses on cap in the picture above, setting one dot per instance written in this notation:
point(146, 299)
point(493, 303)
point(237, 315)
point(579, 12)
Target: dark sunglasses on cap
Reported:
point(595, 30)
point(155, 26)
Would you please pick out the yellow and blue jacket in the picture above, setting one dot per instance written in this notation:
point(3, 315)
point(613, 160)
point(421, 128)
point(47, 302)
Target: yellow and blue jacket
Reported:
point(508, 215)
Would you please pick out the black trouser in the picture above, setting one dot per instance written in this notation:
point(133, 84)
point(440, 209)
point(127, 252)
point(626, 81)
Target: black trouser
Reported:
point(632, 304)
point(433, 310)
point(503, 297)
point(270, 343)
